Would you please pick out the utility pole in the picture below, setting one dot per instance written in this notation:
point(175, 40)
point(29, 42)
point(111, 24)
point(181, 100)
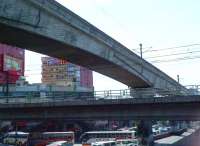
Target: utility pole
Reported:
point(140, 50)
point(178, 78)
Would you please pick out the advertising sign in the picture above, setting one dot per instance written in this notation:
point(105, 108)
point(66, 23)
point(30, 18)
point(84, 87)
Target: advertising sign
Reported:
point(12, 64)
point(53, 61)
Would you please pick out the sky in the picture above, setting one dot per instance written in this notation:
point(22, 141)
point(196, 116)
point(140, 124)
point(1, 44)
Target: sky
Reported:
point(159, 25)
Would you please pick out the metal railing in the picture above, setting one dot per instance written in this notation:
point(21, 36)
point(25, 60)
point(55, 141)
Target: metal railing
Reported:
point(40, 97)
point(113, 94)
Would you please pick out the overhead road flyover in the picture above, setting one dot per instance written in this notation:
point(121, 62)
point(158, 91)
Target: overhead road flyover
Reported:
point(46, 27)
point(162, 108)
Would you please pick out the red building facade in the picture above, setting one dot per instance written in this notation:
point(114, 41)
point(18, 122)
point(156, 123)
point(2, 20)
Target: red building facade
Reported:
point(11, 63)
point(86, 78)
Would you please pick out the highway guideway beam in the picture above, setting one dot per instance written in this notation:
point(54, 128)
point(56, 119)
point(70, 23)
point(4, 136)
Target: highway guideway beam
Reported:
point(46, 27)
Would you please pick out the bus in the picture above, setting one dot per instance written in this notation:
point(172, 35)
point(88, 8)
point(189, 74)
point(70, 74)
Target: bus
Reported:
point(94, 136)
point(127, 142)
point(45, 138)
point(104, 143)
point(16, 138)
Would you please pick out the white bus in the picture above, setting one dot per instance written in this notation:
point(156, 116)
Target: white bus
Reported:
point(104, 143)
point(95, 136)
point(127, 142)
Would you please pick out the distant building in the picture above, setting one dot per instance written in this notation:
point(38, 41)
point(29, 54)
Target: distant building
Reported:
point(11, 64)
point(42, 90)
point(63, 73)
point(23, 89)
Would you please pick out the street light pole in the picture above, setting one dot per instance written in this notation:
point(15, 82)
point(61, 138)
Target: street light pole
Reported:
point(140, 50)
point(178, 78)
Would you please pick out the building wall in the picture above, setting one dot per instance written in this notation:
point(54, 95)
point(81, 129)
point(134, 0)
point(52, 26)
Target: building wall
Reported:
point(86, 78)
point(64, 73)
point(54, 74)
point(15, 57)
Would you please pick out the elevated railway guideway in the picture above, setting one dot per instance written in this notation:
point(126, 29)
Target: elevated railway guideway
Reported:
point(46, 27)
point(155, 108)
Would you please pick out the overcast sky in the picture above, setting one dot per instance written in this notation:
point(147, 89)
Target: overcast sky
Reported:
point(157, 24)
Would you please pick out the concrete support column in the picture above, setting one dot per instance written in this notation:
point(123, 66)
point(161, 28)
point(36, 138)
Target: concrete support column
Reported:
point(145, 132)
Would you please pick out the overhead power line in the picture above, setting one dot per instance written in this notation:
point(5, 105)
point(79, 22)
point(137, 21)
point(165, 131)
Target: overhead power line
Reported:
point(152, 61)
point(176, 59)
point(177, 47)
point(174, 54)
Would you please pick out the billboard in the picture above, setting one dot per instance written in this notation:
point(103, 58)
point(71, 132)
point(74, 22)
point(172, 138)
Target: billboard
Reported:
point(12, 64)
point(53, 61)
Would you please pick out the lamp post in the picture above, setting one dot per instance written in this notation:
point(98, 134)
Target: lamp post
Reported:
point(140, 50)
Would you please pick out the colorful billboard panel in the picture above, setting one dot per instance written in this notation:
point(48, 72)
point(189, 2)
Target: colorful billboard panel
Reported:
point(53, 61)
point(12, 64)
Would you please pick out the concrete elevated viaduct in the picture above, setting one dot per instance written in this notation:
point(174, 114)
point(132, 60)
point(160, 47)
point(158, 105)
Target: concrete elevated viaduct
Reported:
point(166, 108)
point(46, 27)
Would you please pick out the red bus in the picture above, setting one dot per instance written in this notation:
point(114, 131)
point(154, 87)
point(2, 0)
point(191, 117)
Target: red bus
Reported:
point(46, 138)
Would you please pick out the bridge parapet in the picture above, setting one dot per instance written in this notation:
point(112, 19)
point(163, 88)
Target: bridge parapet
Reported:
point(51, 97)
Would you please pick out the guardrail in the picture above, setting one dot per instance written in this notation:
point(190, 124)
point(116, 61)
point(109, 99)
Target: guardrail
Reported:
point(25, 100)
point(39, 97)
point(113, 94)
